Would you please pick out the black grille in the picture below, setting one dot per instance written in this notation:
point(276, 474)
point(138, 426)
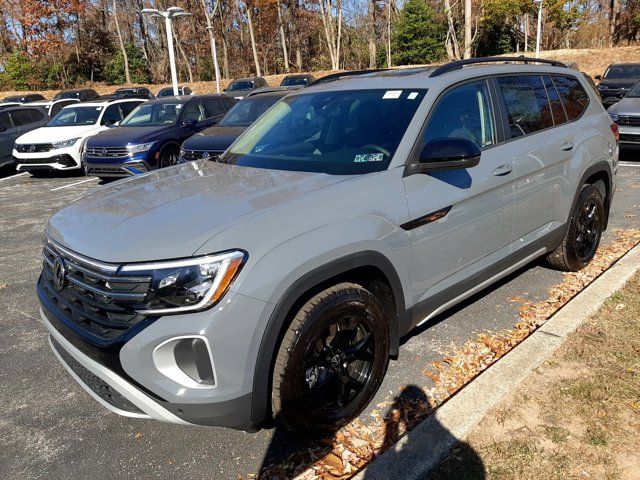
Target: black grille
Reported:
point(66, 160)
point(106, 152)
point(191, 155)
point(93, 298)
point(95, 383)
point(115, 169)
point(625, 137)
point(628, 121)
point(34, 147)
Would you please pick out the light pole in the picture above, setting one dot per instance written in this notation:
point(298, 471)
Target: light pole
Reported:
point(539, 35)
point(212, 38)
point(169, 15)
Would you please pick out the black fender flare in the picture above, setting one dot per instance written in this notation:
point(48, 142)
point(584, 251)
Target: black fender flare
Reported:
point(600, 167)
point(276, 325)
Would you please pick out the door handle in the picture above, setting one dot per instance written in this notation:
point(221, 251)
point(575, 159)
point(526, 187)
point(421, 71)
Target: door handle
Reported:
point(503, 170)
point(566, 146)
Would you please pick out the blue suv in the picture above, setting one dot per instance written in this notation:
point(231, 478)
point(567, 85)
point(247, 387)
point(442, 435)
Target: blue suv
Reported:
point(150, 137)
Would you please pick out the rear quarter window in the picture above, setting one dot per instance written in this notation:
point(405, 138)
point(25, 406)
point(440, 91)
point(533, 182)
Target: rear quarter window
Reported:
point(527, 104)
point(573, 96)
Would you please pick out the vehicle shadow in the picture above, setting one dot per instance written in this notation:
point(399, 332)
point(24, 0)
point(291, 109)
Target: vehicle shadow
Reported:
point(287, 452)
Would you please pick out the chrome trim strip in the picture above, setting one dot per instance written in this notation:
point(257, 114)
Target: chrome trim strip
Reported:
point(124, 388)
point(106, 293)
point(105, 267)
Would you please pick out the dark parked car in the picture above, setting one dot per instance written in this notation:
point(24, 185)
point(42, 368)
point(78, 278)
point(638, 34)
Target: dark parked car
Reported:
point(240, 87)
point(168, 92)
point(14, 122)
point(83, 94)
point(617, 81)
point(150, 137)
point(215, 140)
point(52, 107)
point(134, 92)
point(31, 97)
point(301, 80)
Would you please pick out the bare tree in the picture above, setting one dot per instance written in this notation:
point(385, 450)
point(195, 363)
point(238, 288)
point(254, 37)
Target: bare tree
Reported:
point(283, 38)
point(372, 7)
point(332, 32)
point(467, 29)
point(452, 45)
point(125, 57)
point(253, 40)
point(210, 9)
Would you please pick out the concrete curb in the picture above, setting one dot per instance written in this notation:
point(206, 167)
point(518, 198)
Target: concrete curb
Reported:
point(419, 452)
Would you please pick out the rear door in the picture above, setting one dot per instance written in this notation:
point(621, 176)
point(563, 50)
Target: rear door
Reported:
point(7, 138)
point(461, 221)
point(541, 142)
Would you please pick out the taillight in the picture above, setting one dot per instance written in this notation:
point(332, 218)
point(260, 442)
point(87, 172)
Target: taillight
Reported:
point(616, 131)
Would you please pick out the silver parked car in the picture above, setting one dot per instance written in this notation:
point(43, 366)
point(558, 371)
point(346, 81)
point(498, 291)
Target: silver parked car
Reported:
point(626, 114)
point(277, 280)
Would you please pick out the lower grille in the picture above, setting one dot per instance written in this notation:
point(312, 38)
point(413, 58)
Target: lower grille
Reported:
point(628, 121)
point(66, 160)
point(192, 155)
point(95, 383)
point(116, 170)
point(33, 148)
point(626, 137)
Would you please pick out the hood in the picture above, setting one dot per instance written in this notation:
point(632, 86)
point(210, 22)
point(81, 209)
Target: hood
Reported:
point(615, 83)
point(213, 138)
point(122, 136)
point(171, 212)
point(626, 106)
point(53, 134)
point(239, 93)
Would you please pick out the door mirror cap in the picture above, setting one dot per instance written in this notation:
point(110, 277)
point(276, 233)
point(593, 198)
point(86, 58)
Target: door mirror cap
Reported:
point(598, 77)
point(447, 154)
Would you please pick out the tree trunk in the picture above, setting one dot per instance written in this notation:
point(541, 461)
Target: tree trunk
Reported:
point(184, 55)
point(127, 76)
point(253, 42)
point(451, 43)
point(283, 38)
point(468, 38)
point(526, 32)
point(614, 12)
point(299, 58)
point(372, 33)
point(389, 35)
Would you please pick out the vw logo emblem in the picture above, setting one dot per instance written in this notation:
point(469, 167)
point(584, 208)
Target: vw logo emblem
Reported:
point(59, 274)
point(205, 155)
point(32, 148)
point(103, 152)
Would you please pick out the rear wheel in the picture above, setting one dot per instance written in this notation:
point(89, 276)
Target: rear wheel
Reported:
point(331, 361)
point(583, 234)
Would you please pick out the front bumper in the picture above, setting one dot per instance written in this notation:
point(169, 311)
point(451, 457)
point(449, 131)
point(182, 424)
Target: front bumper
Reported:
point(58, 159)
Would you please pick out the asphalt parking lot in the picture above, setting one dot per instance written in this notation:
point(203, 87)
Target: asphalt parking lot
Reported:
point(51, 428)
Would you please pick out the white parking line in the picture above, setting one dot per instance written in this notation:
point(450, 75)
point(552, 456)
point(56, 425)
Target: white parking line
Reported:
point(74, 184)
point(13, 176)
point(630, 164)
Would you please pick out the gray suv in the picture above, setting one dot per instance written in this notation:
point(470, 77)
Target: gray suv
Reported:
point(276, 280)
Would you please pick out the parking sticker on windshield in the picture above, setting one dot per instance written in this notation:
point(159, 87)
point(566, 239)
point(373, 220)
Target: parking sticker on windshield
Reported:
point(391, 94)
point(368, 157)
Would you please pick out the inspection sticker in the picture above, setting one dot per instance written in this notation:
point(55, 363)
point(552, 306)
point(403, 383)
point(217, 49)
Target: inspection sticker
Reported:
point(392, 94)
point(368, 157)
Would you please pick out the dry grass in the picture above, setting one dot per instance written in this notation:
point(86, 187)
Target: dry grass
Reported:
point(577, 417)
point(591, 61)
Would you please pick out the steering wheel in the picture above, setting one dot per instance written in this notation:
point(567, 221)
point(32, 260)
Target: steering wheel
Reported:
point(378, 148)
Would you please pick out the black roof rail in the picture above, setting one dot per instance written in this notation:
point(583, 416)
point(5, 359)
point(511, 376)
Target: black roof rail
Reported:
point(458, 64)
point(337, 76)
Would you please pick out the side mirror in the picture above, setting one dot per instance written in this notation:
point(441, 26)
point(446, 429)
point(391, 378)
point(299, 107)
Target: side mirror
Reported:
point(598, 77)
point(224, 89)
point(447, 154)
point(190, 123)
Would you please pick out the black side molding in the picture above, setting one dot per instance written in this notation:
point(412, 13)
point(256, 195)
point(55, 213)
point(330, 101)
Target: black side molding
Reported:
point(424, 219)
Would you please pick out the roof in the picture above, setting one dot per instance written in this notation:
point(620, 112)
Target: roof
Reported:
point(96, 102)
point(22, 107)
point(182, 98)
point(284, 90)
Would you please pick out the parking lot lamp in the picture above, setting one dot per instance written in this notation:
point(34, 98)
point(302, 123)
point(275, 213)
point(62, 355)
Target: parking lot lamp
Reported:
point(539, 35)
point(169, 15)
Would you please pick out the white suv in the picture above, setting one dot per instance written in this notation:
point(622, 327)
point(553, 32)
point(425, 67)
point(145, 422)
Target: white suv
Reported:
point(58, 145)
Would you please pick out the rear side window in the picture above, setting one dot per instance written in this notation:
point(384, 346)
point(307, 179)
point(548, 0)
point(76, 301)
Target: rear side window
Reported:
point(22, 117)
point(554, 100)
point(573, 96)
point(111, 115)
point(127, 108)
point(527, 104)
point(214, 107)
point(5, 121)
point(464, 112)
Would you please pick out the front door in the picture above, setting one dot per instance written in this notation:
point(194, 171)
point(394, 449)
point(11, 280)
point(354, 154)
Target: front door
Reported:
point(461, 220)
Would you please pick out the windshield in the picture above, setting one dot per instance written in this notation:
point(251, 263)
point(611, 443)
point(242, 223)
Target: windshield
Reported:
point(293, 81)
point(166, 92)
point(240, 85)
point(623, 72)
point(74, 116)
point(634, 92)
point(153, 115)
point(247, 111)
point(340, 133)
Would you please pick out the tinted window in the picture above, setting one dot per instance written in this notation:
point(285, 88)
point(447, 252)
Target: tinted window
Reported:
point(152, 115)
point(527, 104)
point(22, 117)
point(246, 112)
point(76, 116)
point(464, 112)
point(127, 108)
point(237, 85)
point(5, 121)
point(623, 71)
point(573, 96)
point(193, 113)
point(556, 105)
point(293, 81)
point(336, 132)
point(111, 115)
point(214, 107)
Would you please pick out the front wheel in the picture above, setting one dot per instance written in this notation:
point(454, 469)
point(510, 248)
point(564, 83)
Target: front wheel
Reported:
point(168, 157)
point(583, 234)
point(331, 361)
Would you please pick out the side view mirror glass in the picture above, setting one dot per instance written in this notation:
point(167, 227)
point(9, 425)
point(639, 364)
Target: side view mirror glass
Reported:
point(448, 154)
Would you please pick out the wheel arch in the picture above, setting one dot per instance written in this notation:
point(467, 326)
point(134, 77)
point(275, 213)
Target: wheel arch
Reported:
point(370, 268)
point(599, 171)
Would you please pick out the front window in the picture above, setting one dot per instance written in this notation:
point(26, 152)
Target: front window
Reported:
point(635, 91)
point(622, 72)
point(76, 116)
point(244, 113)
point(242, 85)
point(153, 115)
point(340, 133)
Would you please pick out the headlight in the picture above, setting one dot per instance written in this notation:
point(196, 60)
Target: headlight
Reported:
point(187, 285)
point(65, 143)
point(614, 117)
point(601, 87)
point(141, 147)
point(182, 152)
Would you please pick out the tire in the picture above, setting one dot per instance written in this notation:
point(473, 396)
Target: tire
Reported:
point(583, 233)
point(322, 378)
point(168, 156)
